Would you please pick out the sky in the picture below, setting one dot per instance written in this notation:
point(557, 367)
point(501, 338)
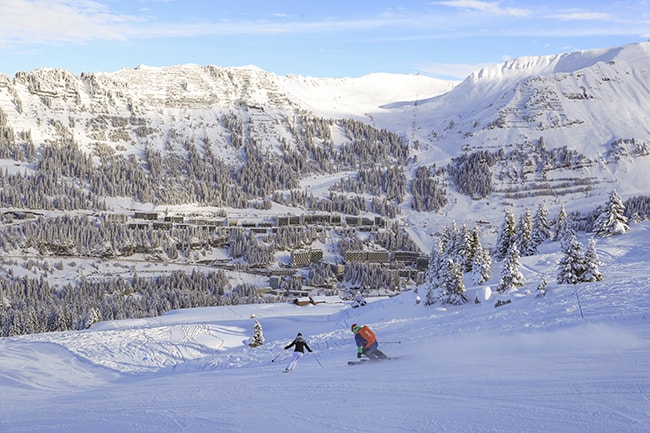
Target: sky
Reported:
point(440, 38)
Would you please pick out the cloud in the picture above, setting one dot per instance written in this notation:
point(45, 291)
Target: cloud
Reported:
point(30, 22)
point(583, 16)
point(27, 23)
point(490, 8)
point(458, 71)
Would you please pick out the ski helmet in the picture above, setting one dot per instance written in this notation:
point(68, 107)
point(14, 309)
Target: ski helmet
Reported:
point(354, 327)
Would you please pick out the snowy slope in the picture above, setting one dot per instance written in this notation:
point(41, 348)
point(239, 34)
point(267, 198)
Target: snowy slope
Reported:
point(364, 97)
point(582, 99)
point(574, 361)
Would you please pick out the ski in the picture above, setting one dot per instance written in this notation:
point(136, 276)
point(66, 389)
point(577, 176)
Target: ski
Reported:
point(365, 360)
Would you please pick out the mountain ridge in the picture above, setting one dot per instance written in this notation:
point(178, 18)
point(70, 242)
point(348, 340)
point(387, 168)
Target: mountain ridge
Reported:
point(589, 102)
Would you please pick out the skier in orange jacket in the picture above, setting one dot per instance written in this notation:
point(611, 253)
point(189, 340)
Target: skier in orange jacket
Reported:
point(367, 344)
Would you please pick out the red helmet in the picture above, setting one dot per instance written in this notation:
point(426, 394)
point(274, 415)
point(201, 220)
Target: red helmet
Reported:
point(355, 327)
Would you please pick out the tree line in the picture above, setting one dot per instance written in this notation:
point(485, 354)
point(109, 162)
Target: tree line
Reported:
point(29, 305)
point(459, 251)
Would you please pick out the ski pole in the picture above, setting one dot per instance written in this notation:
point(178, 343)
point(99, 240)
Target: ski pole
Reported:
point(391, 342)
point(579, 305)
point(276, 357)
point(316, 359)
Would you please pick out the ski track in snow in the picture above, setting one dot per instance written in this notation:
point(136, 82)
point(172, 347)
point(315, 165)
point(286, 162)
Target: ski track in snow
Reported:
point(576, 360)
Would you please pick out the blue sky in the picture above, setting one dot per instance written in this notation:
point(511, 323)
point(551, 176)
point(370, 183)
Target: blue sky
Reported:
point(333, 38)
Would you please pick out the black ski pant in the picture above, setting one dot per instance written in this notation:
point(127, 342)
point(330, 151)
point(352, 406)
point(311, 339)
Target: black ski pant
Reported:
point(375, 354)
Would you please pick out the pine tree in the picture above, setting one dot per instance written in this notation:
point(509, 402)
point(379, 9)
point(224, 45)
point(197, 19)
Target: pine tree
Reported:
point(571, 266)
point(611, 221)
point(466, 251)
point(523, 232)
point(448, 241)
point(506, 236)
point(541, 288)
point(592, 263)
point(565, 229)
point(559, 223)
point(258, 336)
point(434, 276)
point(90, 318)
point(511, 276)
point(435, 268)
point(482, 266)
point(432, 296)
point(541, 229)
point(474, 248)
point(454, 289)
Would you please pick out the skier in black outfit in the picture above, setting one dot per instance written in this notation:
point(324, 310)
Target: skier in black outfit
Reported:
point(300, 345)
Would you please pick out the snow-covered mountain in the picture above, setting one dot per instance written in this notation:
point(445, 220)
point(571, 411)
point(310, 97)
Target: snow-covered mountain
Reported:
point(593, 103)
point(584, 100)
point(134, 107)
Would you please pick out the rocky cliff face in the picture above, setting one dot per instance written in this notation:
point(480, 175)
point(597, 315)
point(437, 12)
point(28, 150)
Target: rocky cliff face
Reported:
point(146, 106)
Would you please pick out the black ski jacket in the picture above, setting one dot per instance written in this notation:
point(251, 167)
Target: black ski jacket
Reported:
point(300, 345)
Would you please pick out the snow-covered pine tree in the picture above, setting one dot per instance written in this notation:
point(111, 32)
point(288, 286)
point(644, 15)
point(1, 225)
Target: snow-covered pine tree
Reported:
point(541, 228)
point(448, 241)
point(611, 220)
point(474, 247)
point(541, 288)
point(592, 263)
point(432, 296)
point(454, 288)
point(565, 228)
point(523, 232)
point(431, 275)
point(456, 244)
point(258, 335)
point(511, 276)
point(90, 318)
point(482, 266)
point(571, 266)
point(559, 223)
point(506, 236)
point(465, 252)
point(435, 272)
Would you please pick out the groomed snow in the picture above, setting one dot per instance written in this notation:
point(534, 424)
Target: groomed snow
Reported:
point(568, 362)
